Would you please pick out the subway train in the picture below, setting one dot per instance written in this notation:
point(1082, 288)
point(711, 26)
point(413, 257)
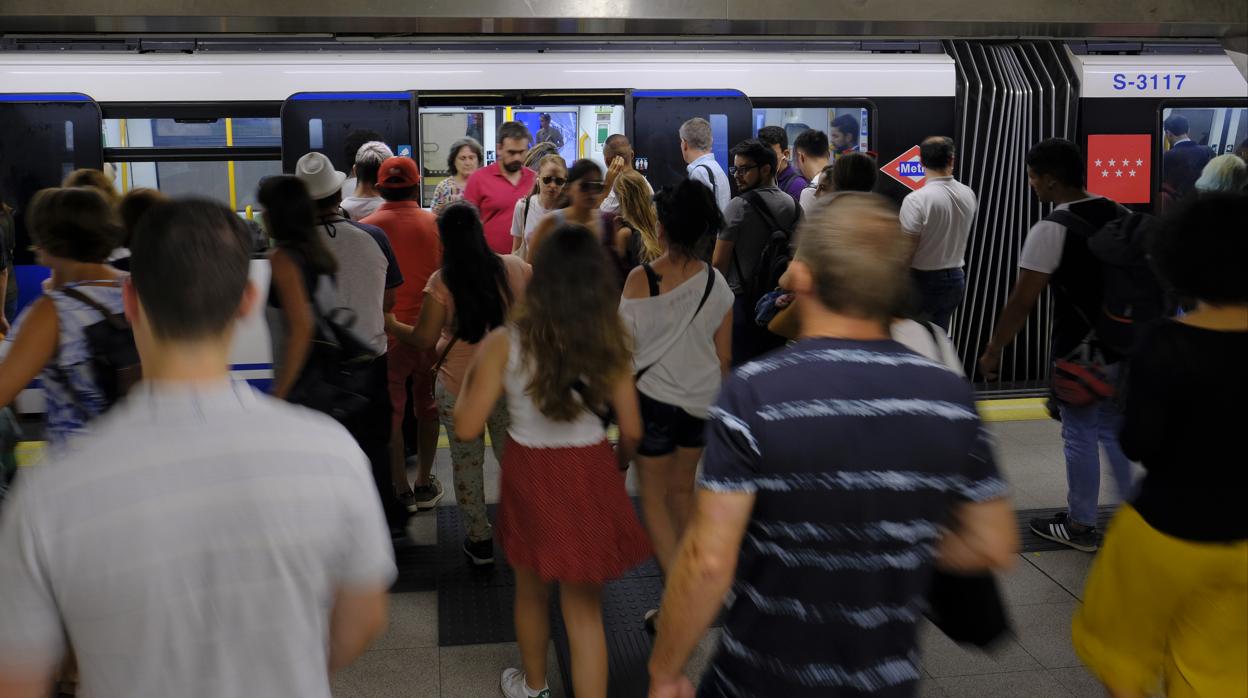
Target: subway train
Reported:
point(213, 124)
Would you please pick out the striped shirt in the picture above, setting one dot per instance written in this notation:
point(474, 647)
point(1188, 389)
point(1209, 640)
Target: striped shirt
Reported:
point(856, 452)
point(191, 546)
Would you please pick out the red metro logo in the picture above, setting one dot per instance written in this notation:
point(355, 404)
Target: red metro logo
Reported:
point(907, 169)
point(1119, 167)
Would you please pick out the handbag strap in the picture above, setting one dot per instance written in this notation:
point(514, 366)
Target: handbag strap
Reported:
point(706, 293)
point(437, 365)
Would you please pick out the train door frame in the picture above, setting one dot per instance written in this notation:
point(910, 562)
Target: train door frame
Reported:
point(695, 100)
point(293, 110)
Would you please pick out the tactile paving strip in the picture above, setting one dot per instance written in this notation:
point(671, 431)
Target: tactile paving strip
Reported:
point(624, 605)
point(474, 603)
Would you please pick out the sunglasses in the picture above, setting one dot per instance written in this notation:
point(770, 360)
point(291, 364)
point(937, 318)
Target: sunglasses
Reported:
point(591, 187)
point(734, 171)
point(557, 180)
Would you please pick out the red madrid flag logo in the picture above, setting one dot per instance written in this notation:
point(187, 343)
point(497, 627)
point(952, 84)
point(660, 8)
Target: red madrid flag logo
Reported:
point(1119, 167)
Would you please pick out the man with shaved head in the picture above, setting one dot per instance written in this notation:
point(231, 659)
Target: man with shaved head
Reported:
point(617, 152)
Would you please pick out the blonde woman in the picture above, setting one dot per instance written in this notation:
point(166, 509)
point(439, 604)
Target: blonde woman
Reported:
point(635, 237)
point(552, 175)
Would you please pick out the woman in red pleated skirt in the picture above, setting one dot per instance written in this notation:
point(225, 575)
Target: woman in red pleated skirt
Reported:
point(564, 515)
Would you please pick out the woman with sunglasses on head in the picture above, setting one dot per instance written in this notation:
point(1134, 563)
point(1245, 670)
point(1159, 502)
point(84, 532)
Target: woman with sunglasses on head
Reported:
point(563, 515)
point(552, 174)
point(579, 206)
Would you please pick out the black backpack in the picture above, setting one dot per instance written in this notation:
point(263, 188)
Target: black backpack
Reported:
point(1131, 293)
point(336, 375)
point(115, 366)
point(775, 255)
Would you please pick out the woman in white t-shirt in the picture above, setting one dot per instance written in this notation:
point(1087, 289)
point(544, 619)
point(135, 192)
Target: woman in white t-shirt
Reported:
point(679, 311)
point(552, 175)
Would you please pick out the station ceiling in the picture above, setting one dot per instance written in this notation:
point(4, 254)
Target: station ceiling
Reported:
point(381, 20)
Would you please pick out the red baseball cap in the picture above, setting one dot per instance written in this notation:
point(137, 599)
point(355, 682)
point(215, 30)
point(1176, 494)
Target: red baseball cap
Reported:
point(398, 173)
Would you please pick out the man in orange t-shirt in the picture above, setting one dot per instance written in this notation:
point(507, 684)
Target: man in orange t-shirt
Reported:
point(413, 234)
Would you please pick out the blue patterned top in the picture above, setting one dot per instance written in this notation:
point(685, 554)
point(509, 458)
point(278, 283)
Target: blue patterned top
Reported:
point(69, 388)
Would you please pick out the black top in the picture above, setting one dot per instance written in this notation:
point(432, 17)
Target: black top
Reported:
point(1185, 418)
point(1078, 282)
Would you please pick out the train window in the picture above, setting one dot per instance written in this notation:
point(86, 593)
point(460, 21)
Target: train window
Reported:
point(577, 131)
point(316, 134)
point(848, 127)
point(1190, 137)
point(192, 156)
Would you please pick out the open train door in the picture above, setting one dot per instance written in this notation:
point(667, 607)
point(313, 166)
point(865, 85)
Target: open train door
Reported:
point(656, 119)
point(322, 121)
point(43, 137)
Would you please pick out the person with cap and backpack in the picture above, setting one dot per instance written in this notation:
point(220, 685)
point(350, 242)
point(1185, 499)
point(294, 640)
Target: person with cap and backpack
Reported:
point(1092, 252)
point(75, 338)
point(753, 249)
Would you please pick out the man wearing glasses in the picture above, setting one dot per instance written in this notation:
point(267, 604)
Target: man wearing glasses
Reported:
point(760, 209)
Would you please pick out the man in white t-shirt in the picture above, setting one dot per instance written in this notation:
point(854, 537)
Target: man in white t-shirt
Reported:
point(813, 156)
point(617, 152)
point(938, 218)
point(203, 539)
point(1055, 256)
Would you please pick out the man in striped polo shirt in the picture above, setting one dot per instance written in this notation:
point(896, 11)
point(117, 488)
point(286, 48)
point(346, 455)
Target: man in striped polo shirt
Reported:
point(832, 470)
point(203, 539)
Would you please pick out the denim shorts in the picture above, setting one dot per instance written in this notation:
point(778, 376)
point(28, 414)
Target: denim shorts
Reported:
point(667, 427)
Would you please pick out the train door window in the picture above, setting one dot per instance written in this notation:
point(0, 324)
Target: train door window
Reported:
point(1190, 137)
point(575, 130)
point(848, 126)
point(203, 151)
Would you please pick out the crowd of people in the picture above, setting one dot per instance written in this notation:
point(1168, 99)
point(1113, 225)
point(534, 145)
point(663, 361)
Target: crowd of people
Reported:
point(772, 351)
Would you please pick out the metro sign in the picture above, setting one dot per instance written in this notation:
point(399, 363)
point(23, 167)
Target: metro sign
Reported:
point(907, 169)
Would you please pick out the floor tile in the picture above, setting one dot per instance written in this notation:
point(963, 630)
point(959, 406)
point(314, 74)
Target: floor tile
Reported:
point(1020, 684)
point(1066, 567)
point(472, 671)
point(1079, 681)
point(390, 674)
point(422, 528)
point(413, 622)
point(1032, 432)
point(1026, 585)
point(943, 657)
point(700, 661)
point(928, 688)
point(1044, 631)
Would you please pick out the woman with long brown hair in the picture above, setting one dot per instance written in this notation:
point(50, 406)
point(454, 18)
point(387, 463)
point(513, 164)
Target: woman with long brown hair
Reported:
point(564, 515)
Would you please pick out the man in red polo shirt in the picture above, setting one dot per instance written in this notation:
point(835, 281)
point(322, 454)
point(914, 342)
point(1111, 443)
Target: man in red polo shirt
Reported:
point(495, 190)
point(413, 234)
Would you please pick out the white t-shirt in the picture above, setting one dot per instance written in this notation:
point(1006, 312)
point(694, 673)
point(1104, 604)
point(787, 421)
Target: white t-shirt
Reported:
point(941, 214)
point(192, 545)
point(611, 204)
point(522, 227)
point(687, 371)
point(807, 199)
point(1042, 250)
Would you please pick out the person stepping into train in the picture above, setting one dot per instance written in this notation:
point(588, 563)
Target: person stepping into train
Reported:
point(678, 310)
point(464, 300)
point(564, 515)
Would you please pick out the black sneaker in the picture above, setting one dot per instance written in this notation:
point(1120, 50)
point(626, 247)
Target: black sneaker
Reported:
point(480, 552)
point(408, 500)
point(1059, 529)
point(428, 496)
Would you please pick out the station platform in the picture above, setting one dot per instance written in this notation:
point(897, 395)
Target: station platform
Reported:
point(450, 633)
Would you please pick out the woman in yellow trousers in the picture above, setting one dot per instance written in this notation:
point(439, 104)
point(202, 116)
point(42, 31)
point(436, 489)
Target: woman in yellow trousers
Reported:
point(1166, 602)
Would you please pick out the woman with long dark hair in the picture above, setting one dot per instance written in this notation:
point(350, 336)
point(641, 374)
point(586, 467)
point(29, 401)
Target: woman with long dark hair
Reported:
point(581, 196)
point(464, 300)
point(302, 269)
point(564, 515)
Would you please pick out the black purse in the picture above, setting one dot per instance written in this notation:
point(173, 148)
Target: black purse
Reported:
point(336, 375)
point(967, 608)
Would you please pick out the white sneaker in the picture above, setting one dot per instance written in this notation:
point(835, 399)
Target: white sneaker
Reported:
point(513, 686)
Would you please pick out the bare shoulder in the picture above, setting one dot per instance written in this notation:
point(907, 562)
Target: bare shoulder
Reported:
point(636, 286)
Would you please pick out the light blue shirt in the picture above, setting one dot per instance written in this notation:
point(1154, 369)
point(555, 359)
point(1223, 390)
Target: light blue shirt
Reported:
point(718, 184)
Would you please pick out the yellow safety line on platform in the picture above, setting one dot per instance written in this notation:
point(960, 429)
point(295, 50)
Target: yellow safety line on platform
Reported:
point(229, 166)
point(1006, 410)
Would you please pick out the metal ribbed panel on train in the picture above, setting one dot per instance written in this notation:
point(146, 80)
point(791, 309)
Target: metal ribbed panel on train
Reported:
point(1010, 96)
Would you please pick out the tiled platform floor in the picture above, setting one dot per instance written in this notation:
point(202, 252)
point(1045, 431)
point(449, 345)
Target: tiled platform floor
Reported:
point(1041, 591)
